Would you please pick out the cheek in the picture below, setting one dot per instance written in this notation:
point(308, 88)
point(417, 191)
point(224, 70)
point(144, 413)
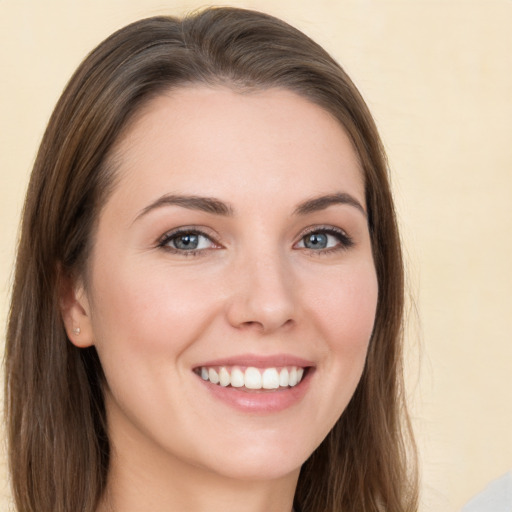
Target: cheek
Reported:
point(345, 314)
point(146, 312)
point(347, 310)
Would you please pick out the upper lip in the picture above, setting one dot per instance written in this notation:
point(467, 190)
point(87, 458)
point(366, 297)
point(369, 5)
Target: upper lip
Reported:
point(259, 361)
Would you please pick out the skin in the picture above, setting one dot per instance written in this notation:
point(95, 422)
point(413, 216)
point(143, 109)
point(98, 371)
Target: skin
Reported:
point(155, 313)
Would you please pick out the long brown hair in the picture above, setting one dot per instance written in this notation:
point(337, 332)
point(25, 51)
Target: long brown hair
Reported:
point(58, 440)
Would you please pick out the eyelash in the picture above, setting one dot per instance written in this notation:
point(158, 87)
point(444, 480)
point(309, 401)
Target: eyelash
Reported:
point(345, 241)
point(168, 237)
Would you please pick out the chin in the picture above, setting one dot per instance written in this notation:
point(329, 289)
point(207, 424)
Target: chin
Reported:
point(256, 461)
point(261, 469)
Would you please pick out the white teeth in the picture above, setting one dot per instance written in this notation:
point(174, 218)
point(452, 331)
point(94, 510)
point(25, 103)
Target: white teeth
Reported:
point(224, 377)
point(237, 378)
point(270, 379)
point(292, 378)
point(213, 376)
point(283, 377)
point(253, 378)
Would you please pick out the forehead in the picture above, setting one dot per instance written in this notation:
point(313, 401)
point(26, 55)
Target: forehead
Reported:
point(224, 141)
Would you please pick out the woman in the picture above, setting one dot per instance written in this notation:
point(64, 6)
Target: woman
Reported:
point(208, 295)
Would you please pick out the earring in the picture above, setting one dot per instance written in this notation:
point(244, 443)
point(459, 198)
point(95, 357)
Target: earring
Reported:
point(76, 330)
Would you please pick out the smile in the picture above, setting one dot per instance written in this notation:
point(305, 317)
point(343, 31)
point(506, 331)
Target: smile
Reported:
point(251, 377)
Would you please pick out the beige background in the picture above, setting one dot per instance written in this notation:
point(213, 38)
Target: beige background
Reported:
point(438, 78)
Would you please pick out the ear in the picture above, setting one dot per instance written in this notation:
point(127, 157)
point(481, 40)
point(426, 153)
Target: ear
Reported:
point(75, 311)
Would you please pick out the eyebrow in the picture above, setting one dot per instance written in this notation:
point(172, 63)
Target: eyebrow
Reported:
point(218, 207)
point(205, 204)
point(322, 202)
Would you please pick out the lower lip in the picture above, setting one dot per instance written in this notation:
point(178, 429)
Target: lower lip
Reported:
point(264, 401)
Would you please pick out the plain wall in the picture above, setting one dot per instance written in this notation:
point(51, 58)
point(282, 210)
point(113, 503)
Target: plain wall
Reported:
point(437, 76)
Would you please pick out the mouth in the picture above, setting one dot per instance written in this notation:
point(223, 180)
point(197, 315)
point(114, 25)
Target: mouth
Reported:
point(257, 384)
point(252, 378)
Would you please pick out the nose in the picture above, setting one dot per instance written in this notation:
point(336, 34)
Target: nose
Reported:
point(262, 294)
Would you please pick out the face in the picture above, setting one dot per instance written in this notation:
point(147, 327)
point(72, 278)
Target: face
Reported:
point(232, 290)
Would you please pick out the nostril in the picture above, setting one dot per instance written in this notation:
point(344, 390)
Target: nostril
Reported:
point(265, 326)
point(252, 325)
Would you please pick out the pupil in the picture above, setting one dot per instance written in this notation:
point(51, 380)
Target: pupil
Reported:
point(316, 241)
point(190, 241)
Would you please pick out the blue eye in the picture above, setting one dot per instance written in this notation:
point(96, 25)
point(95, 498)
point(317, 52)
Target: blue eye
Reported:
point(186, 241)
point(325, 238)
point(316, 241)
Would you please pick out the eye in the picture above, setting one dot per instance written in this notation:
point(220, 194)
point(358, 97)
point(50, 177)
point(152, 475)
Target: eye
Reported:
point(321, 239)
point(186, 241)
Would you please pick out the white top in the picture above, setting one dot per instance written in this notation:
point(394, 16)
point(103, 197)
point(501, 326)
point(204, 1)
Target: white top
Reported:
point(496, 497)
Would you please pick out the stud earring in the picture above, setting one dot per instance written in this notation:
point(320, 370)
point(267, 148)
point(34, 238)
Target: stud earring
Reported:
point(76, 330)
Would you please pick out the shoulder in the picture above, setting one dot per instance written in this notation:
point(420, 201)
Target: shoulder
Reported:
point(496, 497)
